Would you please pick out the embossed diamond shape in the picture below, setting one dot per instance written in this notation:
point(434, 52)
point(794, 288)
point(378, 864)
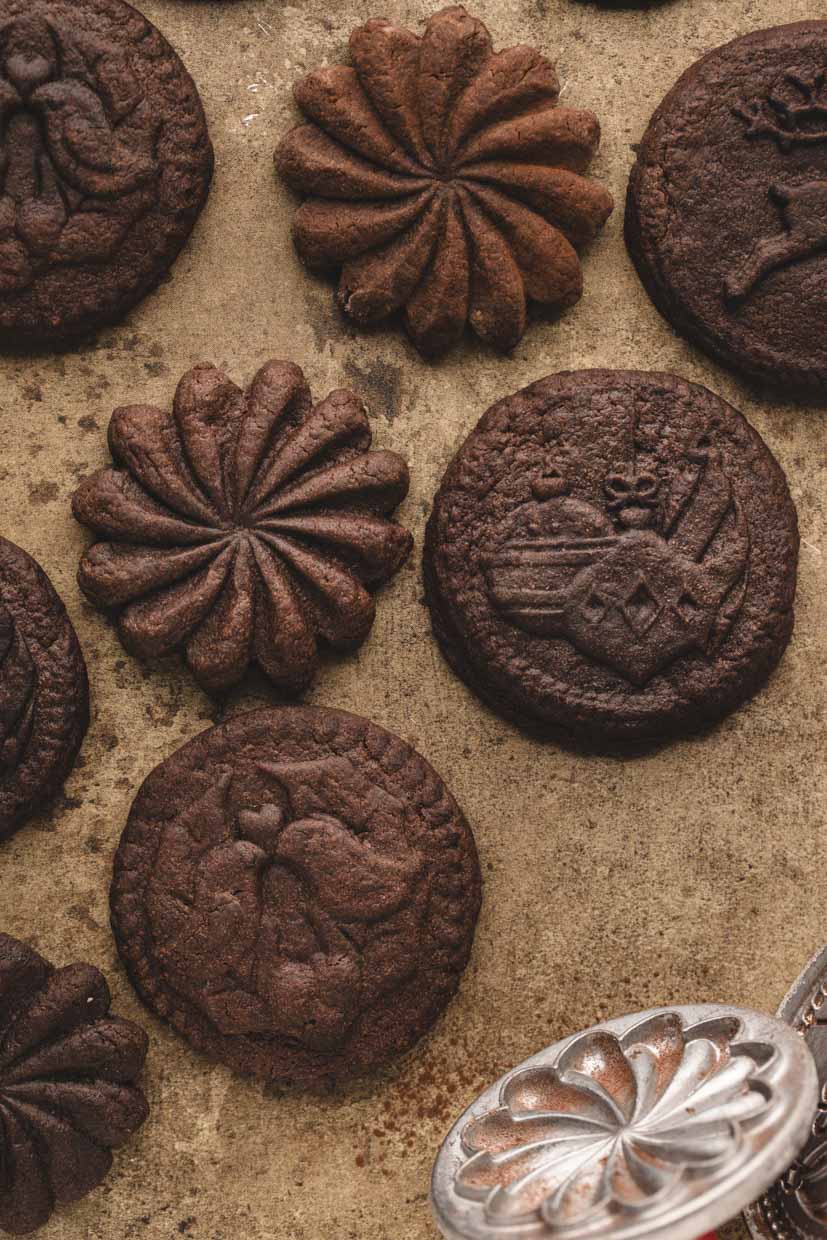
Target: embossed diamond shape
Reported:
point(641, 609)
point(594, 608)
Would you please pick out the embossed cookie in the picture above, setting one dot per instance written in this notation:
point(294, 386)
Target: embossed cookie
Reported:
point(613, 553)
point(105, 163)
point(296, 893)
point(726, 215)
point(243, 527)
point(69, 1091)
point(44, 695)
point(443, 180)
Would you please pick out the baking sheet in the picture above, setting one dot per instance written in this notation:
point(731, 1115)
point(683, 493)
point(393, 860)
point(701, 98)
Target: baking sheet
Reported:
point(688, 875)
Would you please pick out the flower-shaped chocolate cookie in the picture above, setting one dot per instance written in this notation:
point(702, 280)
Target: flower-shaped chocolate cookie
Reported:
point(68, 1092)
point(243, 527)
point(444, 180)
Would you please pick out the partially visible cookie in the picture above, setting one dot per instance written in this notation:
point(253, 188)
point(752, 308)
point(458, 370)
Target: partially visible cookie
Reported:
point(105, 163)
point(44, 694)
point(69, 1091)
point(444, 181)
point(296, 892)
point(613, 554)
point(244, 526)
point(726, 215)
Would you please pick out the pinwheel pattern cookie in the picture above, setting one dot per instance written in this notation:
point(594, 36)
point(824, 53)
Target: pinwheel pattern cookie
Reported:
point(444, 180)
point(243, 527)
point(69, 1090)
point(296, 892)
point(105, 163)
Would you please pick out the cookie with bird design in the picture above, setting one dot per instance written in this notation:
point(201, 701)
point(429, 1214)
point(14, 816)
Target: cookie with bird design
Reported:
point(296, 892)
point(612, 554)
point(726, 216)
point(105, 164)
point(44, 694)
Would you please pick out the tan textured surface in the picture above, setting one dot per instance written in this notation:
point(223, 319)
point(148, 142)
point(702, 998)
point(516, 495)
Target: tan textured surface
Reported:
point(687, 875)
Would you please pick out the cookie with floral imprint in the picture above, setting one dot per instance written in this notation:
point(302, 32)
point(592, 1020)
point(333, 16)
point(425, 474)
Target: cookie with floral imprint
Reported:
point(243, 527)
point(296, 892)
point(69, 1084)
point(105, 164)
point(726, 215)
point(612, 556)
point(44, 692)
point(443, 181)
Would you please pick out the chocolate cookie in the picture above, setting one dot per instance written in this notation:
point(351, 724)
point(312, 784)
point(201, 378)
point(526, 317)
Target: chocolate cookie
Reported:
point(726, 216)
point(44, 695)
point(444, 181)
point(613, 553)
point(105, 163)
point(68, 1084)
point(243, 526)
point(296, 893)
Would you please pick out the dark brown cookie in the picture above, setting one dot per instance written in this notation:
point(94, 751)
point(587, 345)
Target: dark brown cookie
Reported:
point(44, 695)
point(105, 163)
point(243, 526)
point(613, 553)
point(296, 893)
point(726, 216)
point(68, 1084)
point(444, 181)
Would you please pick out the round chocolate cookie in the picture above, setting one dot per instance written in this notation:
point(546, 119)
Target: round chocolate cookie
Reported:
point(68, 1084)
point(105, 163)
point(296, 893)
point(44, 695)
point(613, 553)
point(726, 215)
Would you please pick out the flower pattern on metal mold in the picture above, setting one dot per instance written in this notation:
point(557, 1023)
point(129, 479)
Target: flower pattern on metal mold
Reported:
point(613, 1123)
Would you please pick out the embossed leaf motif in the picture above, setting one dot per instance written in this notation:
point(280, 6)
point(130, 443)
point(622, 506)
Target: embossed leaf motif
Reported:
point(76, 161)
point(67, 1084)
point(614, 1125)
point(243, 526)
point(444, 181)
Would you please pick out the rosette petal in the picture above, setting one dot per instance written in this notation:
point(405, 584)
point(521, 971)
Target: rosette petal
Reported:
point(111, 575)
point(285, 645)
point(372, 548)
point(497, 303)
point(437, 311)
point(379, 480)
point(278, 394)
point(513, 81)
point(376, 284)
point(563, 137)
point(161, 623)
point(26, 1199)
point(337, 421)
point(112, 503)
point(219, 651)
point(386, 58)
point(343, 608)
point(146, 441)
point(207, 409)
point(548, 263)
point(329, 233)
point(335, 100)
point(578, 207)
point(454, 49)
point(312, 163)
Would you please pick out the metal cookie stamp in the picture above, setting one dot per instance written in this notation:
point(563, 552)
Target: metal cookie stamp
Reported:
point(660, 1124)
point(795, 1207)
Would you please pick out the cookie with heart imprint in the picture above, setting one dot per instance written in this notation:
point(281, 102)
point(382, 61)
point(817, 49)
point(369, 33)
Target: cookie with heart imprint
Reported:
point(296, 892)
point(726, 216)
point(105, 164)
point(613, 553)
